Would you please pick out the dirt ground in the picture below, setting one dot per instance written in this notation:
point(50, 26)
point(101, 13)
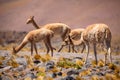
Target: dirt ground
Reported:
point(62, 66)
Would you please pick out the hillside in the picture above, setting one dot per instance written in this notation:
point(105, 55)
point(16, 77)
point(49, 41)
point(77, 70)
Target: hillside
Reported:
point(75, 13)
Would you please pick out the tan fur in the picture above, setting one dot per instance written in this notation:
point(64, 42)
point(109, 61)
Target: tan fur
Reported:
point(74, 35)
point(97, 33)
point(58, 28)
point(36, 36)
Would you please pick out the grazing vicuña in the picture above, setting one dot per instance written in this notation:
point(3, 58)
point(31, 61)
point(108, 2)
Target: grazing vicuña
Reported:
point(97, 34)
point(75, 34)
point(36, 36)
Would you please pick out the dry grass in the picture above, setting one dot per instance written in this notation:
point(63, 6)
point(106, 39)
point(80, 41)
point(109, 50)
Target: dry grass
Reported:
point(64, 63)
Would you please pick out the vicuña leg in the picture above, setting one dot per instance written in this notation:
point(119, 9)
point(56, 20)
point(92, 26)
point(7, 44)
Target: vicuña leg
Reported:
point(46, 47)
point(65, 43)
point(61, 47)
point(73, 49)
point(50, 46)
point(35, 47)
point(64, 36)
point(31, 48)
point(105, 57)
point(109, 50)
point(83, 48)
point(87, 50)
point(95, 52)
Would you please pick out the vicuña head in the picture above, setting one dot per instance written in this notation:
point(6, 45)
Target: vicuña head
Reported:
point(30, 20)
point(75, 34)
point(14, 51)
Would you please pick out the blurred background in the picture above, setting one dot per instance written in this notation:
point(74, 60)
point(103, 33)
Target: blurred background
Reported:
point(75, 13)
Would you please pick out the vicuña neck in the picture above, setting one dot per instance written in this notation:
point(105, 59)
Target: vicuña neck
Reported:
point(34, 24)
point(17, 49)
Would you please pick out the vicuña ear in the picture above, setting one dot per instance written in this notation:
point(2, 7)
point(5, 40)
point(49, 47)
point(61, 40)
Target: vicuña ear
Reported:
point(32, 17)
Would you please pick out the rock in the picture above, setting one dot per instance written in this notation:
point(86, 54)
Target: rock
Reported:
point(31, 75)
point(109, 71)
point(4, 62)
point(68, 78)
point(21, 61)
point(37, 62)
point(117, 62)
point(49, 67)
point(100, 73)
point(59, 73)
point(94, 69)
point(73, 71)
point(5, 77)
point(83, 69)
point(19, 68)
point(5, 69)
point(50, 63)
point(78, 58)
point(87, 65)
point(104, 68)
point(54, 75)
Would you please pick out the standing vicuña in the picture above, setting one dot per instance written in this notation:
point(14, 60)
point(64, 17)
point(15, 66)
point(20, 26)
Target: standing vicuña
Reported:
point(36, 36)
point(97, 34)
point(58, 28)
point(75, 34)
